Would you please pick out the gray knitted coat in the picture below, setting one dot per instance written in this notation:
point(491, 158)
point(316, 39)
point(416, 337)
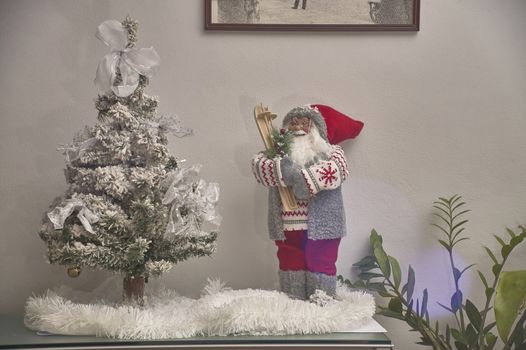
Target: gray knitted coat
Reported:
point(320, 183)
point(326, 215)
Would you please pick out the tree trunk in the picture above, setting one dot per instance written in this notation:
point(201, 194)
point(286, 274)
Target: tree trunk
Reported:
point(238, 11)
point(133, 290)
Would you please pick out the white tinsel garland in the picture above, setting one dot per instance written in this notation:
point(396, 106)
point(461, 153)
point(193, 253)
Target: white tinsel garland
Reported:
point(220, 311)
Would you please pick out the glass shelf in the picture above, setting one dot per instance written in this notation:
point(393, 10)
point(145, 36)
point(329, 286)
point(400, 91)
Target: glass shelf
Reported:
point(14, 335)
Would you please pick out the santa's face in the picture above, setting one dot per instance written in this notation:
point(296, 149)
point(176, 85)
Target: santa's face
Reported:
point(307, 146)
point(299, 126)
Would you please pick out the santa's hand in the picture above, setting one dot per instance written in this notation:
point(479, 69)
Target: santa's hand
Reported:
point(290, 172)
point(286, 162)
point(293, 177)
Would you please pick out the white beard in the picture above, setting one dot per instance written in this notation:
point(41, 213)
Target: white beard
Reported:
point(307, 149)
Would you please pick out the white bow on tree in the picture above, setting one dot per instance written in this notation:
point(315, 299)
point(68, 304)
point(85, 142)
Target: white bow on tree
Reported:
point(59, 215)
point(131, 62)
point(198, 198)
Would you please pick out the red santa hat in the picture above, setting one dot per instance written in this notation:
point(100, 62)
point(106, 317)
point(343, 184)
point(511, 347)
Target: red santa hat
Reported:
point(340, 127)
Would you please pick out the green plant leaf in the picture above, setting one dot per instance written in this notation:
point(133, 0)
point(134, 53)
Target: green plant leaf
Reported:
point(392, 314)
point(471, 335)
point(454, 199)
point(366, 268)
point(500, 240)
point(376, 286)
point(506, 250)
point(458, 336)
point(473, 314)
point(444, 244)
point(483, 279)
point(442, 210)
point(382, 260)
point(359, 284)
point(385, 294)
point(344, 281)
point(424, 341)
point(459, 232)
point(409, 310)
point(395, 269)
point(491, 339)
point(375, 238)
point(518, 335)
point(395, 305)
point(466, 268)
point(460, 240)
point(489, 327)
point(496, 269)
point(441, 229)
point(442, 201)
point(367, 260)
point(369, 275)
point(491, 255)
point(489, 292)
point(516, 240)
point(486, 310)
point(518, 338)
point(459, 224)
point(510, 232)
point(461, 213)
point(511, 294)
point(446, 221)
point(461, 346)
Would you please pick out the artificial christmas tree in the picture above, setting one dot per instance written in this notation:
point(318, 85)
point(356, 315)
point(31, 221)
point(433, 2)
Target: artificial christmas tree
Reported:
point(130, 207)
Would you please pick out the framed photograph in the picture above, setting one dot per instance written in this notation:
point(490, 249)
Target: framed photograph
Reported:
point(312, 15)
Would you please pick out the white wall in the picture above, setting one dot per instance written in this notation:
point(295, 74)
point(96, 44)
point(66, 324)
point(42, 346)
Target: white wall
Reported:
point(444, 113)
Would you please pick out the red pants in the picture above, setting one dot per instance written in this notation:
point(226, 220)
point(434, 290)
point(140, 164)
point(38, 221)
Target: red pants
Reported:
point(296, 252)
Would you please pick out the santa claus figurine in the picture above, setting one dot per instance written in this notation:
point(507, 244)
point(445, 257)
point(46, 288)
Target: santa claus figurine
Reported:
point(315, 168)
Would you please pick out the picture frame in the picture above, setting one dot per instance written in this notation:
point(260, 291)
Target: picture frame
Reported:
point(312, 15)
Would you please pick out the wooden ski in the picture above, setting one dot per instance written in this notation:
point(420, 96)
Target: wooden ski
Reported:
point(263, 117)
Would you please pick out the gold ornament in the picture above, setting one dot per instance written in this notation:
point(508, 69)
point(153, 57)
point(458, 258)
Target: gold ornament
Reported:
point(74, 271)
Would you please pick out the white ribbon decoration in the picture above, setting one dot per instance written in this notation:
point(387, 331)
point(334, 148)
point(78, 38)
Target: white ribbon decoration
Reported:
point(172, 125)
point(201, 198)
point(176, 194)
point(131, 62)
point(59, 215)
point(75, 151)
point(209, 195)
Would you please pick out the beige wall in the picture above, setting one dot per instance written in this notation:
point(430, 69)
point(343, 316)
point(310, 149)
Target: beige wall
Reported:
point(444, 113)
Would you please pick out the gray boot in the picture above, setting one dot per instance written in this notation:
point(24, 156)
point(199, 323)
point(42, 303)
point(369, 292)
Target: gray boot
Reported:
point(293, 284)
point(322, 282)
